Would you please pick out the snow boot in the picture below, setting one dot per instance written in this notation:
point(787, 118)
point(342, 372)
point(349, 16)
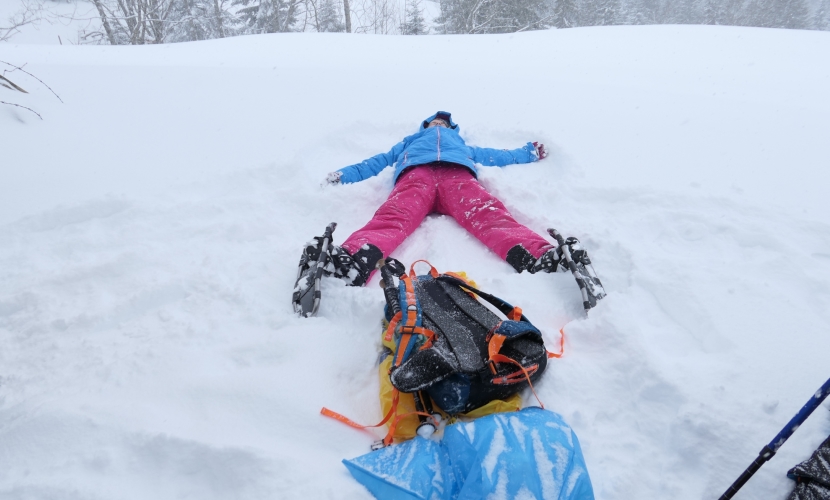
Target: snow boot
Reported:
point(522, 260)
point(355, 269)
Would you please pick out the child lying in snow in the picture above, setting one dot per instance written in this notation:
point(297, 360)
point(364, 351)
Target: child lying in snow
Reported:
point(435, 172)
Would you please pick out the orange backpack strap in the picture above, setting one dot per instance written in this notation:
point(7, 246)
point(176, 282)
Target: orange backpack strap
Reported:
point(494, 345)
point(561, 345)
point(515, 314)
point(501, 358)
point(351, 423)
point(493, 349)
point(432, 271)
point(410, 317)
point(390, 435)
point(390, 330)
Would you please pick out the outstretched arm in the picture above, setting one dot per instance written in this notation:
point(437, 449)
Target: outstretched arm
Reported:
point(367, 168)
point(530, 152)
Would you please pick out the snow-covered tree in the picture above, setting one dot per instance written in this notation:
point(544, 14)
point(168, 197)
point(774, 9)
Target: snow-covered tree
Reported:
point(380, 17)
point(201, 20)
point(731, 12)
point(268, 16)
point(565, 14)
point(821, 19)
point(30, 12)
point(607, 12)
point(414, 22)
point(677, 12)
point(792, 14)
point(135, 22)
point(160, 21)
point(493, 16)
point(327, 16)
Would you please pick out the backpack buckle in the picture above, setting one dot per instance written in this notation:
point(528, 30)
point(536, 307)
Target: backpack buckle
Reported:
point(491, 365)
point(407, 329)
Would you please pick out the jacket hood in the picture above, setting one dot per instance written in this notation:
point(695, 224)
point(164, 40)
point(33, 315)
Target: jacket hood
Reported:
point(440, 114)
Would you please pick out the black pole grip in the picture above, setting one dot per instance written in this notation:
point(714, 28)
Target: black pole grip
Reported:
point(765, 455)
point(389, 268)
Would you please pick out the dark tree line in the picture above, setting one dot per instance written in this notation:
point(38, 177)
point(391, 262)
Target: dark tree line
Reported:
point(138, 22)
point(503, 16)
point(160, 21)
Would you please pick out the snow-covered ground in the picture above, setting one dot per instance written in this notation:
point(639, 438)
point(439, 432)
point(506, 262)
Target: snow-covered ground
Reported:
point(150, 227)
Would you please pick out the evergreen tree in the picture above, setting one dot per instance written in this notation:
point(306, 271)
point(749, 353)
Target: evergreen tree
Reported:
point(757, 13)
point(493, 16)
point(794, 14)
point(711, 12)
point(821, 20)
point(678, 12)
point(639, 12)
point(565, 14)
point(695, 12)
point(329, 18)
point(414, 23)
point(190, 22)
point(268, 16)
point(597, 12)
point(608, 12)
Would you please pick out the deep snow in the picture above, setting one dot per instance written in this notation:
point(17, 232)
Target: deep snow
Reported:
point(150, 227)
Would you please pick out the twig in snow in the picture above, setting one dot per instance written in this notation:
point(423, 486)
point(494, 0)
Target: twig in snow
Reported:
point(10, 84)
point(24, 107)
point(33, 76)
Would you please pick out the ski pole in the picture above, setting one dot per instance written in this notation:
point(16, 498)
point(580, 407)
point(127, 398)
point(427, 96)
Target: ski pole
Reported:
point(423, 404)
point(389, 269)
point(769, 450)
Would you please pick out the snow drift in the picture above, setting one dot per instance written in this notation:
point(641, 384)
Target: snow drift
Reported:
point(151, 224)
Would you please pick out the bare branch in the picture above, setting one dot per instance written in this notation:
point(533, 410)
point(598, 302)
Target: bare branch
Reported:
point(534, 23)
point(104, 21)
point(28, 15)
point(10, 84)
point(19, 68)
point(24, 107)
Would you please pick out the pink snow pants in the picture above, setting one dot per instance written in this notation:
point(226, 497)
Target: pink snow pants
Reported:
point(447, 190)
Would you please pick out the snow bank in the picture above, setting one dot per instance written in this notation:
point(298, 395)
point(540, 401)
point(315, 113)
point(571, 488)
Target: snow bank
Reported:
point(151, 223)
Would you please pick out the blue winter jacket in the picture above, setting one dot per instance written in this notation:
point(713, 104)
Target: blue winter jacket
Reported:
point(435, 144)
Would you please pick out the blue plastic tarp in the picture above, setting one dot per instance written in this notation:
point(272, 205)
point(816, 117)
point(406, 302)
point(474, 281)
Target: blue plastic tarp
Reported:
point(530, 454)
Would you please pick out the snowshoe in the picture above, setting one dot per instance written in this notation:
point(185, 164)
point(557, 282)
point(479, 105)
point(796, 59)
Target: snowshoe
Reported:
point(316, 255)
point(576, 260)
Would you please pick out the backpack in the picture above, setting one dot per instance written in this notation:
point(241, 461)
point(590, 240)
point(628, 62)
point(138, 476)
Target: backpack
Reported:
point(452, 347)
point(448, 348)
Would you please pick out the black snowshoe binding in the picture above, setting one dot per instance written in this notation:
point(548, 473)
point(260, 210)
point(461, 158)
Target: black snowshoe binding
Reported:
point(355, 269)
point(549, 262)
point(574, 258)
